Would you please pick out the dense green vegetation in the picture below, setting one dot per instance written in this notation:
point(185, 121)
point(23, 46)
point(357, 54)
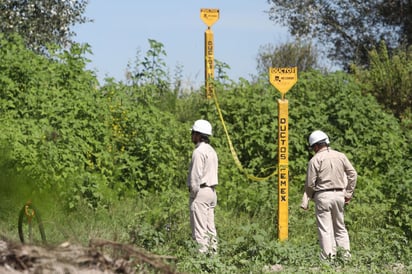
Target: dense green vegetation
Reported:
point(110, 161)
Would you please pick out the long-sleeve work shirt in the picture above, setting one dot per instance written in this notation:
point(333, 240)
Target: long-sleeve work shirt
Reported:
point(327, 170)
point(203, 168)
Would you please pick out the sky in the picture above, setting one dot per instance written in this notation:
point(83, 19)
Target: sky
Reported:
point(122, 28)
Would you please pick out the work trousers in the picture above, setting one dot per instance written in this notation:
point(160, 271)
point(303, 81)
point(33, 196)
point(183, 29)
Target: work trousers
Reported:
point(202, 219)
point(330, 220)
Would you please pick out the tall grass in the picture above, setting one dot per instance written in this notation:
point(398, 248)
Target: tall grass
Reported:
point(159, 222)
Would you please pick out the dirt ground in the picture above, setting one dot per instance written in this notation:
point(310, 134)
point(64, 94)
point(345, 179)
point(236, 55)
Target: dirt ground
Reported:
point(100, 256)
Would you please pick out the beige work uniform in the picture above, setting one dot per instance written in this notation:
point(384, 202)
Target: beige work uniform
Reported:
point(327, 186)
point(202, 179)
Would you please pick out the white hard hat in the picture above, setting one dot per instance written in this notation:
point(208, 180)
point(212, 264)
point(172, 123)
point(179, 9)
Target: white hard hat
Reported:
point(202, 126)
point(318, 136)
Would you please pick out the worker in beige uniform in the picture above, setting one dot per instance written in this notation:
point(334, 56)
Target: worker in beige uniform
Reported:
point(330, 182)
point(202, 180)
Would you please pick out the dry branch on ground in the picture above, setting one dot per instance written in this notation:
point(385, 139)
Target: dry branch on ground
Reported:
point(101, 256)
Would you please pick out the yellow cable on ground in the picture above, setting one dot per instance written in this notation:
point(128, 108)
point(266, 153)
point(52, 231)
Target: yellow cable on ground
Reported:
point(232, 149)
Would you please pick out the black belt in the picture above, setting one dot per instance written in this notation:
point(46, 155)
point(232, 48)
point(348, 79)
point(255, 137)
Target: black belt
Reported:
point(205, 185)
point(330, 189)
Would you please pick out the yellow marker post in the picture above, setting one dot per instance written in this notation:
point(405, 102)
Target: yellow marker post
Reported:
point(209, 17)
point(283, 170)
point(209, 63)
point(283, 80)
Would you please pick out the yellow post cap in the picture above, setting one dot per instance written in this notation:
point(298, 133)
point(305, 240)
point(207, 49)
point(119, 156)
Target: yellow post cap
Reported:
point(209, 16)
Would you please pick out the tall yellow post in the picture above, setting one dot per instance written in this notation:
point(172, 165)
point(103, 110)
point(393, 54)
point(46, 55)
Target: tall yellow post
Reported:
point(283, 169)
point(283, 80)
point(209, 17)
point(209, 63)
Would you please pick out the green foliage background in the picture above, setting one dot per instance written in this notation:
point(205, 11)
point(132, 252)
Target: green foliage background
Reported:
point(110, 160)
